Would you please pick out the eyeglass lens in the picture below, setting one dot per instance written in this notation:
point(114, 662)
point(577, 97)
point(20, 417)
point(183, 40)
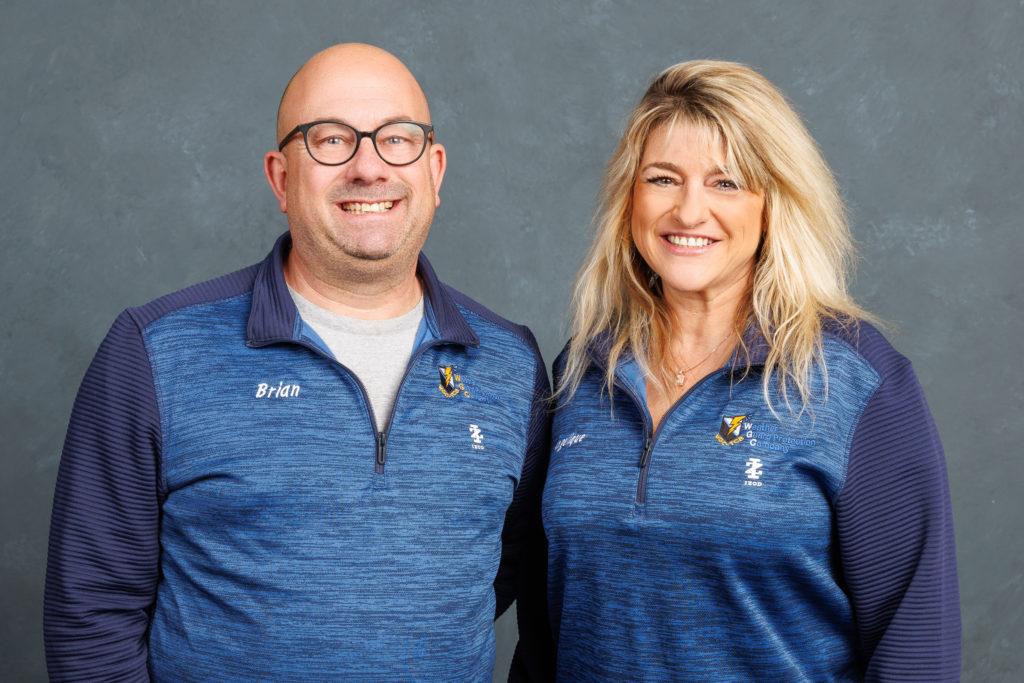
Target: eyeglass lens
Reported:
point(335, 143)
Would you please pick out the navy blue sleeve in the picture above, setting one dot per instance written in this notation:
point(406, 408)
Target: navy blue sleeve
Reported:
point(895, 528)
point(534, 658)
point(526, 499)
point(524, 558)
point(102, 564)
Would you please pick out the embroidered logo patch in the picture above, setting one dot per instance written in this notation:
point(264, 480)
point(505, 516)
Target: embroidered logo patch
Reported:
point(451, 383)
point(477, 436)
point(768, 437)
point(731, 430)
point(754, 472)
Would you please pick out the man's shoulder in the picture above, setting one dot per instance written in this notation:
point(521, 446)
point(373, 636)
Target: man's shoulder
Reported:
point(217, 289)
point(491, 320)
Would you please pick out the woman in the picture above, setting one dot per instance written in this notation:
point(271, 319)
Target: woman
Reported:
point(745, 481)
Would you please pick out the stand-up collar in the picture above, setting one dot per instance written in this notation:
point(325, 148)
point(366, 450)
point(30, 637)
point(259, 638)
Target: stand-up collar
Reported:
point(451, 325)
point(273, 314)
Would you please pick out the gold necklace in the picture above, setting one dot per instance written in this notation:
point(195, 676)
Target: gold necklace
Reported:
point(681, 372)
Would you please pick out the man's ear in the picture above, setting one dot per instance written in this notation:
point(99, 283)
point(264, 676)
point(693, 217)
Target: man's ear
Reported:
point(438, 160)
point(275, 166)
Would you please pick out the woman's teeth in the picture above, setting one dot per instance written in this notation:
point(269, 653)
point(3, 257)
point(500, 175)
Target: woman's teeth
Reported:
point(682, 241)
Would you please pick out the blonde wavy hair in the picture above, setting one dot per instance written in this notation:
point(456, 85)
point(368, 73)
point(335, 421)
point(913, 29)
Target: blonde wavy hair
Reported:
point(801, 267)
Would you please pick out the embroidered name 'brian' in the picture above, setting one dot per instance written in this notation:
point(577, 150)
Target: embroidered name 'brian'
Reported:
point(282, 390)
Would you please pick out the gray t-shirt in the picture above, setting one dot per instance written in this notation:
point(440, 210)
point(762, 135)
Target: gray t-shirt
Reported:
point(377, 351)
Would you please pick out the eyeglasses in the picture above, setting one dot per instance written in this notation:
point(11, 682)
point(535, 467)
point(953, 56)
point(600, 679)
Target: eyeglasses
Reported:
point(332, 143)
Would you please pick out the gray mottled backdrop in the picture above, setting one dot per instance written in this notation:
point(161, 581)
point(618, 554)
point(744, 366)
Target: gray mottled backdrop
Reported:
point(131, 166)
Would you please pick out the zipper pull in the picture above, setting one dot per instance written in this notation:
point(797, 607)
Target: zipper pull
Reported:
point(646, 456)
point(382, 442)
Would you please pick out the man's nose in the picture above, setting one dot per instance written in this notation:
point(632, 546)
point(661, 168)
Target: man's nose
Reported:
point(366, 165)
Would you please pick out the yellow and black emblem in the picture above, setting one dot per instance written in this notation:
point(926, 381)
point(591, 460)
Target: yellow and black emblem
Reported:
point(731, 430)
point(451, 383)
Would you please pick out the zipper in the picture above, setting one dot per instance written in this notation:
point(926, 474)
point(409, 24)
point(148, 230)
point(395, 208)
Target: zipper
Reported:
point(645, 457)
point(651, 436)
point(380, 438)
point(382, 444)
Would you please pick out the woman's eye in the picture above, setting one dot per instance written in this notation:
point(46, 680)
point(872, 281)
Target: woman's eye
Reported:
point(727, 184)
point(661, 180)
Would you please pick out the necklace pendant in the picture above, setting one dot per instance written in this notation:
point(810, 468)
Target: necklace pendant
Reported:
point(680, 378)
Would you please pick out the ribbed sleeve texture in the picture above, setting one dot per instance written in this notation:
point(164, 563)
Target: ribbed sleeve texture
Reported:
point(896, 538)
point(524, 510)
point(102, 567)
point(534, 656)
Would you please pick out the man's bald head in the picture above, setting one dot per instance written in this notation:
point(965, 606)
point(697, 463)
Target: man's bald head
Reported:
point(345, 72)
point(359, 225)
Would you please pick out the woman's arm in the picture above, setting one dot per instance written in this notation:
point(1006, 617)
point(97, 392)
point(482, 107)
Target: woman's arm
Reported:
point(896, 543)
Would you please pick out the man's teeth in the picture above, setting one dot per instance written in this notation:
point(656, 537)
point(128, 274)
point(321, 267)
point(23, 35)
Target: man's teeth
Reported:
point(363, 207)
point(681, 241)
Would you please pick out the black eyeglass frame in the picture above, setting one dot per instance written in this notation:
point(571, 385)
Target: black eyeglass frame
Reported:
point(303, 128)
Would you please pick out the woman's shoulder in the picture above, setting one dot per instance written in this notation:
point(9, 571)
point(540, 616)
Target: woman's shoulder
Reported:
point(851, 339)
point(597, 349)
point(562, 358)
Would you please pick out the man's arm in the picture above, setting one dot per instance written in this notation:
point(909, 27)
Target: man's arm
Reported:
point(895, 531)
point(523, 573)
point(103, 562)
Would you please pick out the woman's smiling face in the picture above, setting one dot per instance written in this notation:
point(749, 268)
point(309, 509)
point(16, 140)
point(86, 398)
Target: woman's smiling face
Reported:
point(693, 222)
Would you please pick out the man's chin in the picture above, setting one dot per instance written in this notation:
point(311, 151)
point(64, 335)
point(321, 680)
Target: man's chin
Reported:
point(370, 256)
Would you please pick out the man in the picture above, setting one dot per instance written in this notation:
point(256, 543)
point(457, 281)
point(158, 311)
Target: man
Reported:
point(322, 467)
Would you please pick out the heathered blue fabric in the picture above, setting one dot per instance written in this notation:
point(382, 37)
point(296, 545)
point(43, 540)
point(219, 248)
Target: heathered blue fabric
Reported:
point(828, 558)
point(258, 536)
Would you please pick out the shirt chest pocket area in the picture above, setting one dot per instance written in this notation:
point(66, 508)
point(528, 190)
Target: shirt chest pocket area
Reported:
point(477, 448)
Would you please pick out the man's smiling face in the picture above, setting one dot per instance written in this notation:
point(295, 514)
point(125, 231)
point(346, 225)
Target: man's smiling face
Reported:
point(364, 215)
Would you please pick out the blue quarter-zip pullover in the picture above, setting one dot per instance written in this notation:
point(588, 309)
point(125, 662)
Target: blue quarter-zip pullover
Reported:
point(226, 508)
point(734, 543)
